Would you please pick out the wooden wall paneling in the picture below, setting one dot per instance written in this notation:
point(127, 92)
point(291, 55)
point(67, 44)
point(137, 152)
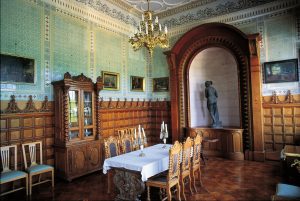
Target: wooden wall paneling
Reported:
point(28, 125)
point(130, 114)
point(281, 125)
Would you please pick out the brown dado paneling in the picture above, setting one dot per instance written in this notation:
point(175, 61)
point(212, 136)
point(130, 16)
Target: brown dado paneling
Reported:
point(27, 125)
point(37, 123)
point(117, 115)
point(281, 125)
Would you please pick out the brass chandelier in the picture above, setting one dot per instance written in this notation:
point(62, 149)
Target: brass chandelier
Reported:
point(149, 33)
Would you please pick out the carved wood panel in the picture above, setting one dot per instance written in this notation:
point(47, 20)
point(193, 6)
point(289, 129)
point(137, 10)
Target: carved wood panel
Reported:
point(281, 125)
point(116, 115)
point(27, 125)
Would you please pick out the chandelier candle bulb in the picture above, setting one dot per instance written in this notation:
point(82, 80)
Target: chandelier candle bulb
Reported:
point(143, 17)
point(134, 133)
point(159, 27)
point(166, 30)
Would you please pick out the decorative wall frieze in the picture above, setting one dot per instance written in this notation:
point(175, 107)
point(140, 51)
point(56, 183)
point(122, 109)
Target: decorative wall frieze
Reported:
point(108, 10)
point(276, 99)
point(217, 12)
point(184, 8)
point(132, 104)
point(29, 108)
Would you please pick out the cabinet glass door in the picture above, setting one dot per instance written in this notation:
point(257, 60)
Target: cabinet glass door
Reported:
point(88, 113)
point(73, 115)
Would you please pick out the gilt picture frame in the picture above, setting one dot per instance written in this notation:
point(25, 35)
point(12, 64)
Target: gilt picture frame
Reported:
point(137, 83)
point(111, 80)
point(161, 84)
point(281, 71)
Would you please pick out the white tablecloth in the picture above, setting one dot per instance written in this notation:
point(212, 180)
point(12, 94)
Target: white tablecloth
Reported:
point(156, 160)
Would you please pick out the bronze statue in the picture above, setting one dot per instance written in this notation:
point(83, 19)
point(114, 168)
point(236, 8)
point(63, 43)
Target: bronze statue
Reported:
point(212, 96)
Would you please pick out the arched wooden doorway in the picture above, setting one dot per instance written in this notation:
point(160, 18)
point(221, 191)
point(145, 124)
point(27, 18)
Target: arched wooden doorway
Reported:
point(244, 49)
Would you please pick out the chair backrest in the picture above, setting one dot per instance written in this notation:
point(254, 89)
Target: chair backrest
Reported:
point(186, 155)
point(196, 149)
point(122, 132)
point(174, 161)
point(126, 143)
point(111, 147)
point(31, 149)
point(6, 153)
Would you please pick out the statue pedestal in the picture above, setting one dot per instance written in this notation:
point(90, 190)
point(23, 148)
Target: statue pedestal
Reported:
point(228, 141)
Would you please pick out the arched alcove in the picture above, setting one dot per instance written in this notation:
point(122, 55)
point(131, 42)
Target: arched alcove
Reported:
point(223, 73)
point(244, 50)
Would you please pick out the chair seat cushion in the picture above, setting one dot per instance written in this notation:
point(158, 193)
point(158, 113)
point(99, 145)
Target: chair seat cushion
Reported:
point(10, 176)
point(39, 168)
point(288, 191)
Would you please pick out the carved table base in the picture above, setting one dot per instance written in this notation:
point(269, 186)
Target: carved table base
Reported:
point(129, 184)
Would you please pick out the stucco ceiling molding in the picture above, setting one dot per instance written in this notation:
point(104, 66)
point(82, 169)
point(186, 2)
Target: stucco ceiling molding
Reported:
point(227, 7)
point(183, 8)
point(108, 10)
point(242, 17)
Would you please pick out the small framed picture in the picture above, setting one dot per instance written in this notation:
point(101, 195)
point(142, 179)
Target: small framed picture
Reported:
point(281, 71)
point(111, 81)
point(161, 84)
point(137, 83)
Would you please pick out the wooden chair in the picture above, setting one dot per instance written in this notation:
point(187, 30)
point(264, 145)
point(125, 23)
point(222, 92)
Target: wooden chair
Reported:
point(186, 165)
point(131, 132)
point(166, 182)
point(111, 149)
point(196, 160)
point(8, 175)
point(122, 132)
point(35, 168)
point(126, 144)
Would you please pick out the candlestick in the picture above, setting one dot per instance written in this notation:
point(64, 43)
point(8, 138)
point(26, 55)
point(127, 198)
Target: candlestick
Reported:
point(143, 132)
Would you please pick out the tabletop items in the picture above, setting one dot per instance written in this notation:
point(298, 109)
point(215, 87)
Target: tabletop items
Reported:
point(164, 133)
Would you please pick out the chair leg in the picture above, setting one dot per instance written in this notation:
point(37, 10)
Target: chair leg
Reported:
point(30, 184)
point(190, 184)
point(194, 181)
point(170, 194)
point(183, 185)
point(148, 193)
point(200, 177)
point(26, 180)
point(178, 192)
point(53, 178)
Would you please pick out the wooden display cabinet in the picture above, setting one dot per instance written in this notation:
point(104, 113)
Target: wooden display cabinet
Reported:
point(77, 145)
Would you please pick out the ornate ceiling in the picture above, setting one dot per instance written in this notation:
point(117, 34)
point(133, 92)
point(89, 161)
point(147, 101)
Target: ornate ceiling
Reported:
point(157, 5)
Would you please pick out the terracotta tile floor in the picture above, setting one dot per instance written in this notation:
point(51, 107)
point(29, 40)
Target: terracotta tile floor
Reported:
point(223, 180)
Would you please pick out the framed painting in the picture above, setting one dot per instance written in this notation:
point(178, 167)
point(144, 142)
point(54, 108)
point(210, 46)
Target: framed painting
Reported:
point(281, 71)
point(137, 83)
point(161, 84)
point(111, 81)
point(16, 69)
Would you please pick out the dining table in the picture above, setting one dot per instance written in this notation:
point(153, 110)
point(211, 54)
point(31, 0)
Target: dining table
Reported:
point(134, 168)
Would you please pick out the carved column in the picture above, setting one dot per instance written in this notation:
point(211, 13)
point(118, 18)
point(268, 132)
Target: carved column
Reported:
point(98, 88)
point(257, 118)
point(171, 58)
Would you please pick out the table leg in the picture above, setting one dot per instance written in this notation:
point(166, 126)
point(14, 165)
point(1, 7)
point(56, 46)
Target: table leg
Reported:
point(129, 184)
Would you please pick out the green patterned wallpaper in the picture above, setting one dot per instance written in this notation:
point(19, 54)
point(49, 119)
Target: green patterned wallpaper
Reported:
point(61, 42)
point(21, 35)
